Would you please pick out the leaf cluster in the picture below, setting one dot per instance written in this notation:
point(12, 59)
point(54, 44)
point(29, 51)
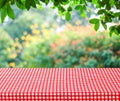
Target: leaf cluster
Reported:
point(109, 11)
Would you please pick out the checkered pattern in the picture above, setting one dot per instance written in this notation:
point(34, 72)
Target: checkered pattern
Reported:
point(69, 84)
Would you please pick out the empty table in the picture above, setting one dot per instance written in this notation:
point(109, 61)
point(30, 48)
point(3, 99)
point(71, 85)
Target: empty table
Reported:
point(60, 84)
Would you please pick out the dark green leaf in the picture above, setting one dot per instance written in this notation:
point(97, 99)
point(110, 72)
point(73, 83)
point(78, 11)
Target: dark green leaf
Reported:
point(101, 11)
point(97, 25)
point(93, 21)
point(78, 7)
point(104, 25)
point(2, 3)
point(37, 2)
point(10, 12)
point(3, 15)
point(117, 14)
point(69, 8)
point(68, 16)
point(33, 4)
point(30, 3)
point(61, 8)
point(20, 4)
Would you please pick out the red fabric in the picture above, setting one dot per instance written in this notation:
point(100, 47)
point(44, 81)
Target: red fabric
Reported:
point(69, 84)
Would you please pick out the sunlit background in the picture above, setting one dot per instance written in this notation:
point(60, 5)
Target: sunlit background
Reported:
point(42, 38)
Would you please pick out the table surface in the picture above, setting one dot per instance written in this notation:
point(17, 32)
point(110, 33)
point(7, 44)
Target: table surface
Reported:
point(60, 81)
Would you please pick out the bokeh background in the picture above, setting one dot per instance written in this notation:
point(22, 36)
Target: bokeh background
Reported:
point(42, 38)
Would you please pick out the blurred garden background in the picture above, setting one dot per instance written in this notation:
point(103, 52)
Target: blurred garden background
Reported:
point(42, 38)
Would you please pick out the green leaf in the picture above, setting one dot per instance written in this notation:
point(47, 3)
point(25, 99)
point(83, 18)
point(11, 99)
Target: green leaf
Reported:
point(94, 21)
point(3, 15)
point(117, 14)
point(68, 16)
point(46, 1)
point(104, 25)
point(69, 8)
point(33, 4)
point(20, 4)
point(61, 8)
point(78, 7)
point(116, 32)
point(112, 30)
point(94, 1)
point(10, 12)
point(112, 2)
point(37, 2)
point(83, 14)
point(101, 11)
point(108, 7)
point(97, 25)
point(29, 3)
point(12, 2)
point(110, 33)
point(2, 3)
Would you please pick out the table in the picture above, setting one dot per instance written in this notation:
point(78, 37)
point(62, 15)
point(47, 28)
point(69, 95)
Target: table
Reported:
point(60, 84)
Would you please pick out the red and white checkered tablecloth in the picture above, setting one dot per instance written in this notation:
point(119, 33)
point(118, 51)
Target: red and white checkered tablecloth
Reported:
point(60, 84)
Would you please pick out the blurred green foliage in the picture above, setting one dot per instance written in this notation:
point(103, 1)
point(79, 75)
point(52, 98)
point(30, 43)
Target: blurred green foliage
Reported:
point(70, 48)
point(5, 42)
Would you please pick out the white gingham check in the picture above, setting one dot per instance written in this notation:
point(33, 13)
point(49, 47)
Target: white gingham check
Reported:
point(60, 84)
